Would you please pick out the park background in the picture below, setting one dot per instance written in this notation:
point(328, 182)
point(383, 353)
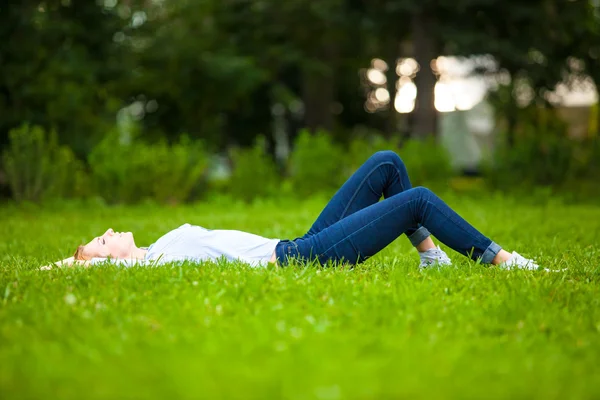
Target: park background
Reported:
point(239, 114)
point(213, 97)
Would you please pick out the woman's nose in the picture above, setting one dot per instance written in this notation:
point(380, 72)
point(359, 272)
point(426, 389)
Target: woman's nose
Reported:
point(110, 231)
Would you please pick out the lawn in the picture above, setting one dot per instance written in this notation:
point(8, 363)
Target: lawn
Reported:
point(384, 329)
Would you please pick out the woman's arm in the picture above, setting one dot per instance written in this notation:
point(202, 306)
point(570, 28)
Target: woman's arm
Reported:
point(67, 262)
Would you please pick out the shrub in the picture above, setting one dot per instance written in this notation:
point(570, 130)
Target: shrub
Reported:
point(542, 154)
point(361, 148)
point(38, 168)
point(316, 164)
point(427, 162)
point(254, 173)
point(128, 172)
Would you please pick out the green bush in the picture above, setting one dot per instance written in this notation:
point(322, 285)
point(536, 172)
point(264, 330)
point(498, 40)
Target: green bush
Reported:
point(254, 173)
point(583, 184)
point(317, 164)
point(427, 162)
point(132, 171)
point(363, 147)
point(542, 154)
point(38, 168)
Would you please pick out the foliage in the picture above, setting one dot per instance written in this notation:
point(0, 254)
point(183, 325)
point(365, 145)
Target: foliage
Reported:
point(254, 173)
point(544, 59)
point(382, 330)
point(316, 164)
point(542, 154)
point(427, 162)
point(197, 72)
point(215, 68)
point(361, 147)
point(129, 171)
point(38, 168)
point(61, 67)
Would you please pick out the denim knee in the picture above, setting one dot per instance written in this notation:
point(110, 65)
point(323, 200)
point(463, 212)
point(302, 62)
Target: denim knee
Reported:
point(423, 193)
point(388, 155)
point(391, 156)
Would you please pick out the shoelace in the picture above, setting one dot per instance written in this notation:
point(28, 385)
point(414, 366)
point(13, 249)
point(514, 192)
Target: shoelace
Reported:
point(436, 254)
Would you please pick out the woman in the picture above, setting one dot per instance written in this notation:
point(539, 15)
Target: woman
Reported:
point(354, 226)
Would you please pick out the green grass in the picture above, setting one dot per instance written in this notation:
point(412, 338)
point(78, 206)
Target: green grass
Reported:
point(384, 329)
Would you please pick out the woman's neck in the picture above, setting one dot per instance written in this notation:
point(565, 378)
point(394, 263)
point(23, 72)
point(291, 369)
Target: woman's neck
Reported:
point(139, 254)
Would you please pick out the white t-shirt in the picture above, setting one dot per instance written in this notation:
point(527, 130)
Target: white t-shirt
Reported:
point(194, 243)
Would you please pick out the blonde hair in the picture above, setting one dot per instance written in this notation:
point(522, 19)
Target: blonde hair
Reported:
point(79, 254)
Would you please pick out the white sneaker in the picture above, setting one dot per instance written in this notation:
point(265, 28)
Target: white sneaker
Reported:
point(434, 257)
point(518, 261)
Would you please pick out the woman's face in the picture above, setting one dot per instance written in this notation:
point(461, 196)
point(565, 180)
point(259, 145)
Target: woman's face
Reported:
point(111, 244)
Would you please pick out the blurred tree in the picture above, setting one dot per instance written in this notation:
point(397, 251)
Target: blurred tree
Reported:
point(537, 43)
point(232, 60)
point(587, 43)
point(60, 67)
point(194, 71)
point(216, 68)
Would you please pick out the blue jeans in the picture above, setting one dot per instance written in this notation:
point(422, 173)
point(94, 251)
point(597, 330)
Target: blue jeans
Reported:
point(355, 225)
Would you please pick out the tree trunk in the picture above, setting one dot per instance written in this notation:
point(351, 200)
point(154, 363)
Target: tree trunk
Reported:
point(511, 127)
point(317, 94)
point(595, 75)
point(318, 89)
point(392, 49)
point(424, 50)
